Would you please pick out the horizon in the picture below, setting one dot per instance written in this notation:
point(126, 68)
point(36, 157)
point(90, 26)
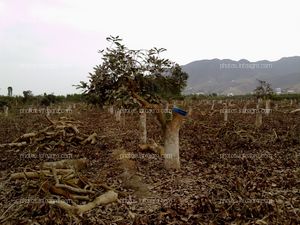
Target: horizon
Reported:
point(54, 44)
point(4, 91)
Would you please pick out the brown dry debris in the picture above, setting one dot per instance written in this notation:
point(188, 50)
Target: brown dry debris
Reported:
point(232, 172)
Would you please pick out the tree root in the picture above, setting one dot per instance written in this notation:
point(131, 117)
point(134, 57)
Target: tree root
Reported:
point(37, 174)
point(296, 110)
point(106, 198)
point(76, 164)
point(92, 139)
point(153, 147)
point(18, 144)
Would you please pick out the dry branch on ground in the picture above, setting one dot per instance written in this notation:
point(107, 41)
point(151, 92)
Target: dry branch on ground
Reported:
point(61, 133)
point(60, 184)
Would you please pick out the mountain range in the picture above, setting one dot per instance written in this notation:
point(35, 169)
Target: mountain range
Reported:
point(240, 77)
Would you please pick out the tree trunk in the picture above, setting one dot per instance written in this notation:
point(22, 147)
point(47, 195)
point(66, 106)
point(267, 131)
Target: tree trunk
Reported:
point(213, 105)
point(268, 106)
point(171, 142)
point(226, 114)
point(5, 110)
point(47, 111)
point(258, 120)
point(123, 119)
point(170, 130)
point(111, 110)
point(246, 105)
point(118, 115)
point(143, 128)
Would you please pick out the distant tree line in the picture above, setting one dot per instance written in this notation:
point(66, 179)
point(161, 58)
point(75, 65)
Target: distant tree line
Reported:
point(43, 100)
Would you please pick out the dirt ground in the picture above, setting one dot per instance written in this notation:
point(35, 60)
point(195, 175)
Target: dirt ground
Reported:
point(231, 172)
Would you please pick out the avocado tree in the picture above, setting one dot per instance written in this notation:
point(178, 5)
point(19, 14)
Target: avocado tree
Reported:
point(138, 79)
point(263, 92)
point(28, 95)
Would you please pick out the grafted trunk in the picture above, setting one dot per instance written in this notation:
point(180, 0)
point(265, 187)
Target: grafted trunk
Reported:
point(118, 115)
point(258, 119)
point(171, 146)
point(171, 142)
point(111, 110)
point(47, 111)
point(246, 105)
point(5, 110)
point(167, 106)
point(170, 131)
point(268, 106)
point(175, 103)
point(213, 105)
point(190, 110)
point(143, 127)
point(226, 114)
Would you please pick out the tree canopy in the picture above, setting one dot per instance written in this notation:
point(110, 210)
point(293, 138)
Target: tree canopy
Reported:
point(263, 90)
point(124, 71)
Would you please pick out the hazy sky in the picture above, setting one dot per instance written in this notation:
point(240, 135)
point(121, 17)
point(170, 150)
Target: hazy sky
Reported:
point(48, 45)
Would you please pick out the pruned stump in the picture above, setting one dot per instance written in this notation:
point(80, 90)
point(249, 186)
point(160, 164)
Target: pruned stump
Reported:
point(268, 106)
point(171, 139)
point(5, 111)
point(143, 127)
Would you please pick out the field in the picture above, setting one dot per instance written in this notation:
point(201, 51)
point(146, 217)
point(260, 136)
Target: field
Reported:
point(231, 172)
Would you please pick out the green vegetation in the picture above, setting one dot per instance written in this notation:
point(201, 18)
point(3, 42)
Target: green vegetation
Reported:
point(124, 71)
point(263, 90)
point(43, 100)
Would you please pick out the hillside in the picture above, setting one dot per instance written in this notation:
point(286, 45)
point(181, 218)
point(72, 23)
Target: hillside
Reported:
point(239, 77)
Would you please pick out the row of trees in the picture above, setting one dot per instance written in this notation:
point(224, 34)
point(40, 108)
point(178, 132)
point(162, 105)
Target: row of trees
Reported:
point(43, 100)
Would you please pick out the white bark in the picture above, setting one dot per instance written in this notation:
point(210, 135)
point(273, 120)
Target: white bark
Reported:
point(174, 103)
point(118, 115)
point(268, 106)
point(171, 146)
point(296, 110)
point(171, 142)
point(167, 106)
point(246, 105)
point(143, 128)
point(5, 110)
point(111, 110)
point(226, 114)
point(47, 111)
point(213, 105)
point(258, 119)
